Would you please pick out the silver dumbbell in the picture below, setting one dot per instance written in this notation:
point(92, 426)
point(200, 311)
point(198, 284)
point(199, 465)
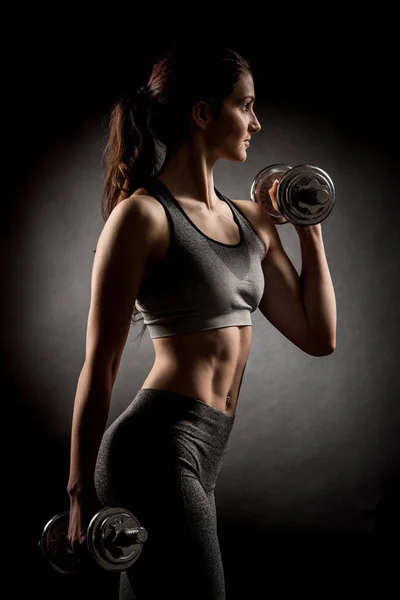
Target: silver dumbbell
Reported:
point(114, 539)
point(305, 195)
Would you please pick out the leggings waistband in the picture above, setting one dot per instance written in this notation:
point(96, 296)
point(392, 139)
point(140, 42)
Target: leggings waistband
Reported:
point(185, 413)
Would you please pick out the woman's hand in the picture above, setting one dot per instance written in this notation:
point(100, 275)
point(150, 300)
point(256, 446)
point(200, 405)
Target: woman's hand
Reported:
point(82, 509)
point(273, 194)
point(272, 191)
point(301, 229)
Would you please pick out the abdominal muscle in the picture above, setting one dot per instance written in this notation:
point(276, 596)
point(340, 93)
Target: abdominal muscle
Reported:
point(207, 365)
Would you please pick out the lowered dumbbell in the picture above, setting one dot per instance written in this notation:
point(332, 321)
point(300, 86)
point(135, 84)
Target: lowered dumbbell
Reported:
point(305, 194)
point(114, 539)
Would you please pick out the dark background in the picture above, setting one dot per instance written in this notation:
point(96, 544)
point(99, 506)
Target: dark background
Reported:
point(331, 63)
point(61, 73)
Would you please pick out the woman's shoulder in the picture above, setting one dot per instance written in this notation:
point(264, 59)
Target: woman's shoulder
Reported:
point(142, 197)
point(247, 205)
point(252, 210)
point(160, 225)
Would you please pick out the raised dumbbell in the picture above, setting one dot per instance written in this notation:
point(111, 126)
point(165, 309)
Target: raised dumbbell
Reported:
point(114, 539)
point(305, 194)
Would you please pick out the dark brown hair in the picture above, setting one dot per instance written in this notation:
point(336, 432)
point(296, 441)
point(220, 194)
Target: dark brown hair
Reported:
point(158, 114)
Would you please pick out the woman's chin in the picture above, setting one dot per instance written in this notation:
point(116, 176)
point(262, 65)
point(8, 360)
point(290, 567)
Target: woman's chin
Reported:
point(240, 156)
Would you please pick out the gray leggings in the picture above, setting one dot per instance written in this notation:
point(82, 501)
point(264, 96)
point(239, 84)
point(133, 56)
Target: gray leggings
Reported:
point(160, 459)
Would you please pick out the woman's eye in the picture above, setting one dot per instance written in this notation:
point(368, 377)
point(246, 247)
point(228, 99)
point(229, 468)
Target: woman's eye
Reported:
point(247, 106)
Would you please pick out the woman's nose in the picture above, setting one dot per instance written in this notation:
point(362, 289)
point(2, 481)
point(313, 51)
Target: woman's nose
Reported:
point(255, 126)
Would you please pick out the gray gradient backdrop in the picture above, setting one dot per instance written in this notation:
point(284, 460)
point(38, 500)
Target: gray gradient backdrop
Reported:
point(306, 496)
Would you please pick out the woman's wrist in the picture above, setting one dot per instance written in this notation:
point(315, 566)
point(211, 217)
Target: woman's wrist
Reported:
point(81, 491)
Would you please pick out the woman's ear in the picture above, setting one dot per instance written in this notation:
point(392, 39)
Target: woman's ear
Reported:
point(201, 114)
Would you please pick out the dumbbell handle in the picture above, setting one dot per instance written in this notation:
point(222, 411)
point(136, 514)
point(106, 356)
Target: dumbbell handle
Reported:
point(127, 536)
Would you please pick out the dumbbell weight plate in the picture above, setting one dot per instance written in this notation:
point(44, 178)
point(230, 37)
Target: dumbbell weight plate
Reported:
point(102, 530)
point(262, 183)
point(306, 195)
point(56, 548)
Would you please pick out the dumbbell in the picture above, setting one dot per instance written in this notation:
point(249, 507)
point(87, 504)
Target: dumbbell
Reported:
point(305, 194)
point(114, 539)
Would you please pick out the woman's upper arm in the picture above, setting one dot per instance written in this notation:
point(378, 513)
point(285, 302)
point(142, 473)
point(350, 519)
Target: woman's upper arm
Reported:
point(282, 302)
point(121, 260)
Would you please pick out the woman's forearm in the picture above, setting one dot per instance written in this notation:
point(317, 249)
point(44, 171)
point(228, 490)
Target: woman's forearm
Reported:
point(91, 409)
point(317, 287)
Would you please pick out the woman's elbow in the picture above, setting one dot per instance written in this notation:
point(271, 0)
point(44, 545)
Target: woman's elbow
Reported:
point(325, 351)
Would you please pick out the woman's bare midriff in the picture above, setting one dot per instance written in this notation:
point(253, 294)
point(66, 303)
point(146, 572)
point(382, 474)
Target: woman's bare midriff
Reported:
point(207, 365)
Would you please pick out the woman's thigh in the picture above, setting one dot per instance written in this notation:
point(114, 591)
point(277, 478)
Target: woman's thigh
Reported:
point(181, 558)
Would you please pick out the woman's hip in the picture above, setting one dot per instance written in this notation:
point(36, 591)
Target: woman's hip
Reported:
point(161, 430)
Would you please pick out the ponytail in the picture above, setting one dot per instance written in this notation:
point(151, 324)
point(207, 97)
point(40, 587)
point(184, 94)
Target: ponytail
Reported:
point(130, 155)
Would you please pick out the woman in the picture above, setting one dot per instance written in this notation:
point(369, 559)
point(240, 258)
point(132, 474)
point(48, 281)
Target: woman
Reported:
point(196, 265)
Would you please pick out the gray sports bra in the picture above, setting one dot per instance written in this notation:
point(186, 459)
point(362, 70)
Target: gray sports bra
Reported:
point(201, 283)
